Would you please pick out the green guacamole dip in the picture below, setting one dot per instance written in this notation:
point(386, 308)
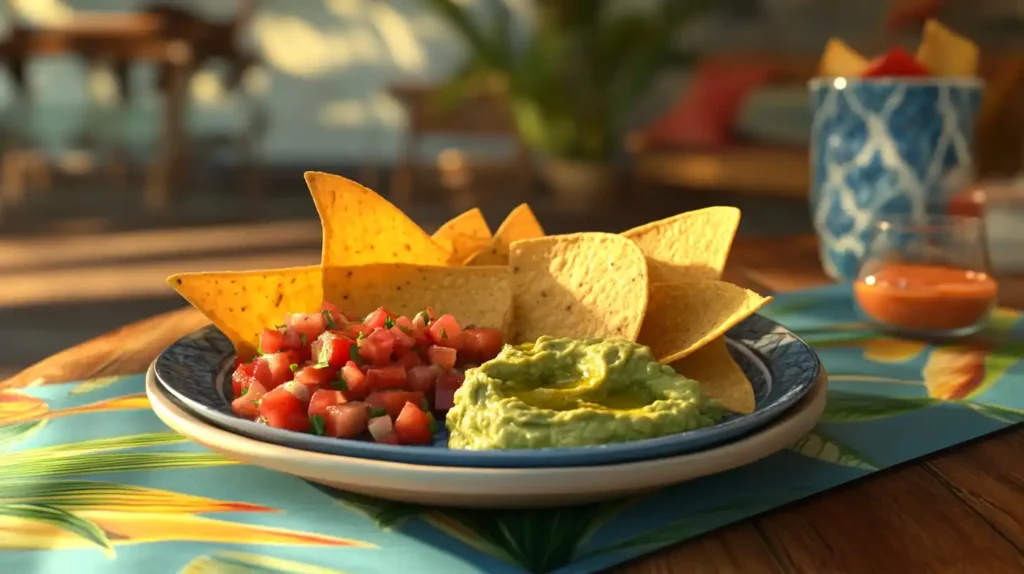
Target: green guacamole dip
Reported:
point(574, 392)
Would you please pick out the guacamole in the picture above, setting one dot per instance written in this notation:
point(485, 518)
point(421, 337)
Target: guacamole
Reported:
point(574, 392)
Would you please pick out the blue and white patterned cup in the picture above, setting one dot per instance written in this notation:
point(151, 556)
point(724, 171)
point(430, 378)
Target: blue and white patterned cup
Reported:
point(884, 148)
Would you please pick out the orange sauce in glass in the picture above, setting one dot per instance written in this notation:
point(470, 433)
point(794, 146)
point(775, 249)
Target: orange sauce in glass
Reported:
point(926, 298)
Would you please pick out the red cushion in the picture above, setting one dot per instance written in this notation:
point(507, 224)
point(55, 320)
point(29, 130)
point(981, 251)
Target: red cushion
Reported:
point(705, 115)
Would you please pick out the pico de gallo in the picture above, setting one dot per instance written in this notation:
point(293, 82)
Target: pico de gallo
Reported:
point(384, 377)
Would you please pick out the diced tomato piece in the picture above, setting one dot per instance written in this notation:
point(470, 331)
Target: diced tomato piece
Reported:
point(323, 399)
point(445, 331)
point(444, 392)
point(376, 347)
point(353, 330)
point(280, 367)
point(332, 315)
point(334, 349)
point(414, 425)
point(247, 405)
point(314, 377)
point(241, 378)
point(443, 357)
point(292, 340)
point(392, 401)
point(897, 62)
point(298, 390)
point(480, 345)
point(379, 319)
point(271, 341)
point(408, 358)
point(355, 380)
point(403, 340)
point(381, 378)
point(380, 428)
point(422, 378)
point(261, 373)
point(309, 325)
point(346, 420)
point(283, 410)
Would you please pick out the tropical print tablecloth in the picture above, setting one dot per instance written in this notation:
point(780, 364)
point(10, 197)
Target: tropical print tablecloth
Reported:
point(92, 481)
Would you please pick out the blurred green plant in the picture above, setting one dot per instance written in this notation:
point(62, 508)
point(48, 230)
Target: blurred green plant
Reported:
point(571, 84)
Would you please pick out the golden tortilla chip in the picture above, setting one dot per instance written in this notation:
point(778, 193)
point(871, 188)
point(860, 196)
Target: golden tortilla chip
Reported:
point(683, 317)
point(520, 224)
point(690, 246)
point(945, 53)
point(475, 295)
point(719, 376)
point(362, 227)
point(464, 236)
point(242, 303)
point(579, 285)
point(840, 60)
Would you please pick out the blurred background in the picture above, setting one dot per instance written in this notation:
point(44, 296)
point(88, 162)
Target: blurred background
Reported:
point(138, 139)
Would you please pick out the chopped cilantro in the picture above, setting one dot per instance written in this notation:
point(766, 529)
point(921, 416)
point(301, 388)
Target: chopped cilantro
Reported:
point(244, 392)
point(377, 412)
point(293, 367)
point(353, 355)
point(328, 318)
point(405, 330)
point(362, 335)
point(316, 424)
point(444, 333)
point(424, 316)
point(304, 339)
point(339, 385)
point(389, 322)
point(433, 422)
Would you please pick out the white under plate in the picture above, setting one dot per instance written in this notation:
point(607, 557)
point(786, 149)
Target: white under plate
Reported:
point(494, 487)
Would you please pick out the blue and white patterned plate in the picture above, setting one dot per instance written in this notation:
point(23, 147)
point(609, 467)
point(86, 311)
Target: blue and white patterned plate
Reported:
point(780, 366)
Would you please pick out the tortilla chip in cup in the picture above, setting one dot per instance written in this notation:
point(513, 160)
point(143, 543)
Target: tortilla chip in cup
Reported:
point(243, 303)
point(576, 286)
point(689, 246)
point(464, 236)
point(683, 317)
point(719, 376)
point(520, 224)
point(362, 227)
point(481, 296)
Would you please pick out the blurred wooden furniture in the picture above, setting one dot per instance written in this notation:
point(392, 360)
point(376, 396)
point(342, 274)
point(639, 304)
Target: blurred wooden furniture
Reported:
point(960, 510)
point(483, 115)
point(174, 39)
point(784, 171)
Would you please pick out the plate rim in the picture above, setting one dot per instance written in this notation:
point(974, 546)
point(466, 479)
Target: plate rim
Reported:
point(675, 444)
point(483, 487)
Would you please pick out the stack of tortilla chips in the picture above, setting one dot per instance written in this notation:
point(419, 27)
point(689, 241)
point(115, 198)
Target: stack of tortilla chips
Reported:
point(657, 284)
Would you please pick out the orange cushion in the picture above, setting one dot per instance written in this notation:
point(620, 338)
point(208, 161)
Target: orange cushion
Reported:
point(706, 113)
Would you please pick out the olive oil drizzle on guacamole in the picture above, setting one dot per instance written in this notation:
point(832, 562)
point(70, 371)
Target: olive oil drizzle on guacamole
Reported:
point(566, 392)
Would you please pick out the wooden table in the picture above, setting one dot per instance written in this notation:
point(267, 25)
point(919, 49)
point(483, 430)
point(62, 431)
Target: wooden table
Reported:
point(958, 511)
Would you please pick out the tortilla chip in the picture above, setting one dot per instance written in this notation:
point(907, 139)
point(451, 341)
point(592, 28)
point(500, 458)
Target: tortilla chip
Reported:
point(840, 60)
point(520, 224)
point(464, 236)
point(362, 227)
point(475, 295)
point(719, 376)
point(579, 285)
point(690, 246)
point(242, 303)
point(945, 53)
point(683, 317)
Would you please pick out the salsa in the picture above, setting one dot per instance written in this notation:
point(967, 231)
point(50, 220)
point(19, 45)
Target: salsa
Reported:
point(383, 377)
point(926, 298)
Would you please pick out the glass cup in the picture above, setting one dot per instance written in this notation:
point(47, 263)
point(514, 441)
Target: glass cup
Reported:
point(927, 276)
